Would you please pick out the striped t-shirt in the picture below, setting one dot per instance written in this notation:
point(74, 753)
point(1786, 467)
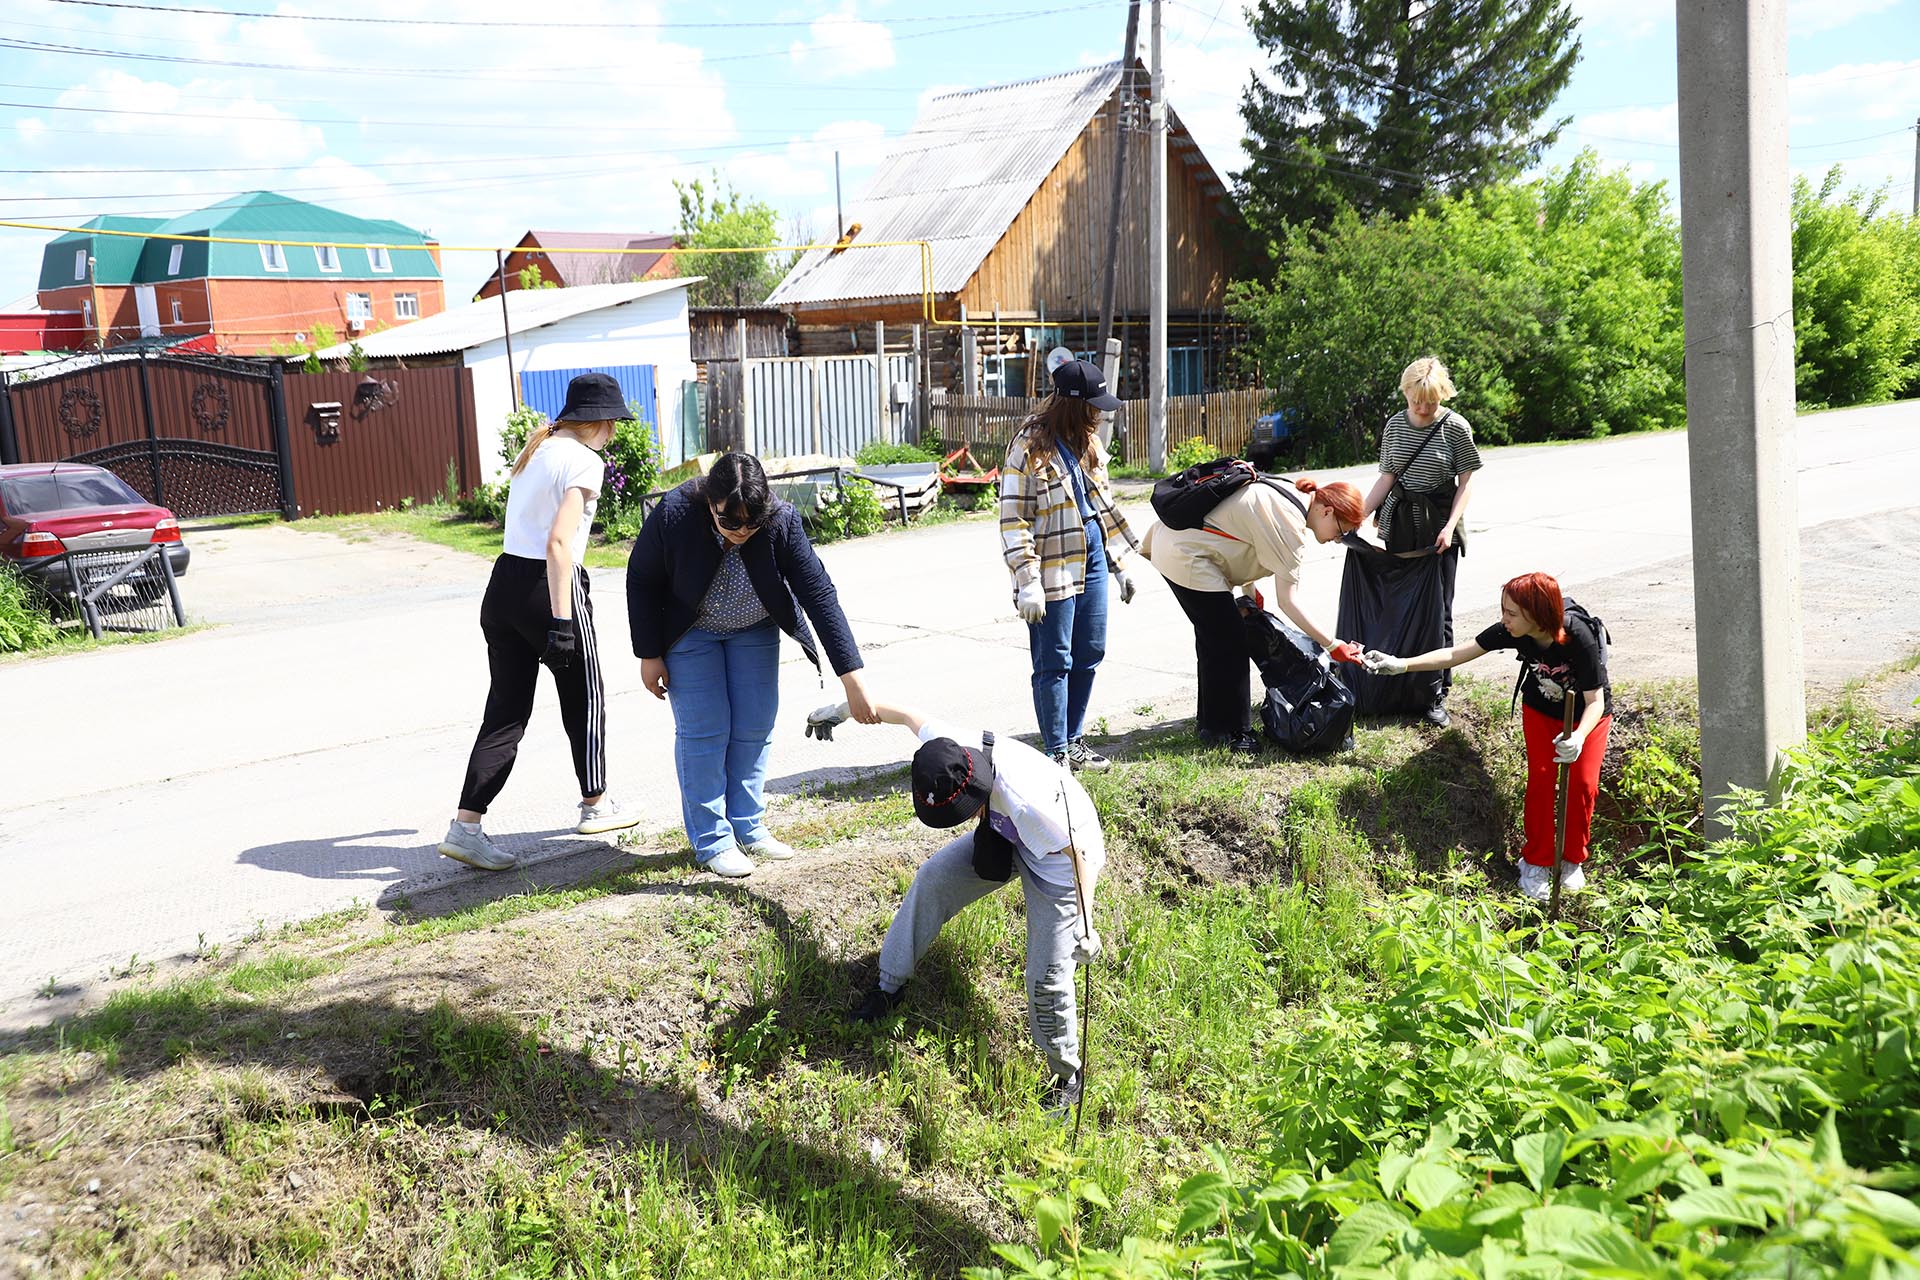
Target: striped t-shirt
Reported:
point(1443, 458)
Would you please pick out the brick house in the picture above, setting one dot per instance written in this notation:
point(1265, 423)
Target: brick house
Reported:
point(351, 274)
point(565, 259)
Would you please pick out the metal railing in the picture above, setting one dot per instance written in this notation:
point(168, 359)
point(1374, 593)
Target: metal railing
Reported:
point(125, 590)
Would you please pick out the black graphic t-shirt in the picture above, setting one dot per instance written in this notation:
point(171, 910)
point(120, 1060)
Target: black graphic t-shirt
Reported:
point(1550, 670)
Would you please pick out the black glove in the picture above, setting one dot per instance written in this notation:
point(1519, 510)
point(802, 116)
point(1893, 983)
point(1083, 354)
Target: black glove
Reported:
point(563, 643)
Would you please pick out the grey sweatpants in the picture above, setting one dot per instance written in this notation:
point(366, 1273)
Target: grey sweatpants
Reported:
point(943, 886)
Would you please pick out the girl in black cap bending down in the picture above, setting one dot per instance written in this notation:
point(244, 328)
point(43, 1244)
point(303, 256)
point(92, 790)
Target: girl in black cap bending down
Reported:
point(1030, 816)
point(537, 610)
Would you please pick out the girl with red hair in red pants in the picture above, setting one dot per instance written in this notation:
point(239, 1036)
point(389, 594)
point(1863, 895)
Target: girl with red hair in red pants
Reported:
point(1557, 662)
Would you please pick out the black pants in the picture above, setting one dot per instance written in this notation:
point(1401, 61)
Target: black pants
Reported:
point(514, 616)
point(1449, 570)
point(1220, 650)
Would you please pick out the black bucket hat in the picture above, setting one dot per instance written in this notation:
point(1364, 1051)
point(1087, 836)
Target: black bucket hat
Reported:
point(594, 397)
point(1083, 381)
point(950, 782)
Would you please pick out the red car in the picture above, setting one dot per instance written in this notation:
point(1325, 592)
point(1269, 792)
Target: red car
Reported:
point(50, 508)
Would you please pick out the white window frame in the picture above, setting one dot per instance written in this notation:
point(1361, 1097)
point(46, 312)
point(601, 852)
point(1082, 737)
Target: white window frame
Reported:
point(378, 259)
point(273, 257)
point(327, 256)
point(79, 264)
point(176, 256)
point(367, 298)
point(178, 318)
point(406, 306)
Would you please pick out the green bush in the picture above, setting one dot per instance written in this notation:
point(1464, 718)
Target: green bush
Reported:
point(1191, 452)
point(851, 511)
point(1716, 1076)
point(633, 470)
point(884, 453)
point(24, 624)
point(1856, 296)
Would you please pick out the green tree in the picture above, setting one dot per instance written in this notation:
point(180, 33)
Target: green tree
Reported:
point(1856, 296)
point(721, 218)
point(1376, 105)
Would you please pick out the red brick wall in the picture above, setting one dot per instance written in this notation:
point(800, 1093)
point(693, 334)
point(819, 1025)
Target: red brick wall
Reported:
point(246, 317)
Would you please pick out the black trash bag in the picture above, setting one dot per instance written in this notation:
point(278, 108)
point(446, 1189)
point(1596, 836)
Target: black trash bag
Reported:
point(1307, 708)
point(1395, 604)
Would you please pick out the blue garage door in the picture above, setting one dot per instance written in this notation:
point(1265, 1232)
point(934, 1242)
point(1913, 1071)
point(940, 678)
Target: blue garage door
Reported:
point(546, 389)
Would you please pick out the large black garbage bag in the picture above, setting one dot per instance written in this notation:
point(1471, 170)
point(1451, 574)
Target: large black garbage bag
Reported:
point(1307, 708)
point(1394, 604)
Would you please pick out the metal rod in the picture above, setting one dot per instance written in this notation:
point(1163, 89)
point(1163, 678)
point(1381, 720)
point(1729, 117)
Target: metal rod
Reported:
point(839, 219)
point(506, 324)
point(1560, 811)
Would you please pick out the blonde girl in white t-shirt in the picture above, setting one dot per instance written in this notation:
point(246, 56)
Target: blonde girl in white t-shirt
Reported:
point(537, 610)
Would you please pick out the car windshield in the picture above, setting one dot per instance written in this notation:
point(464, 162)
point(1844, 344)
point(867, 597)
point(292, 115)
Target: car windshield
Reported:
point(62, 490)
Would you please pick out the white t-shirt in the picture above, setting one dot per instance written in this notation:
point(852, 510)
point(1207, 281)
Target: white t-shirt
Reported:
point(533, 499)
point(1035, 797)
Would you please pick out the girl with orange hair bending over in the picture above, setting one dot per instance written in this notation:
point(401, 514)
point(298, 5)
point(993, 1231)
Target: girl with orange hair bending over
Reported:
point(1257, 530)
point(1557, 662)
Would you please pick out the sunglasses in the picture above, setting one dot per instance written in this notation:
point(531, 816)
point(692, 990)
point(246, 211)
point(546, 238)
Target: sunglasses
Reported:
point(731, 525)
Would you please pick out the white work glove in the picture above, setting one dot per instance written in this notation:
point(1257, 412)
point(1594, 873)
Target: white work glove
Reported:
point(1567, 747)
point(1383, 664)
point(1031, 601)
point(821, 720)
point(1085, 949)
point(1123, 583)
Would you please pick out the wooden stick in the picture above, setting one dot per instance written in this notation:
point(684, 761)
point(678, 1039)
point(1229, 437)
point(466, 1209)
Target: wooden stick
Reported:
point(1560, 810)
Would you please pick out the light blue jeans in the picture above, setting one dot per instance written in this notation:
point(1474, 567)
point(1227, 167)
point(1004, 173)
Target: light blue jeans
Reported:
point(724, 688)
point(1067, 646)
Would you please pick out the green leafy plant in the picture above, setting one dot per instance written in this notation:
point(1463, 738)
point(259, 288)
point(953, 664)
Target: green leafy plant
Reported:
point(633, 471)
point(882, 453)
point(24, 622)
point(851, 511)
point(1191, 452)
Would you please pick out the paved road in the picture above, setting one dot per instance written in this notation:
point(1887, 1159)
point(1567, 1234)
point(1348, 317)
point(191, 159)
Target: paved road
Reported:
point(306, 754)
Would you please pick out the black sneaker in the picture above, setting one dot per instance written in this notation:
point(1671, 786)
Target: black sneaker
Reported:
point(1436, 715)
point(1062, 1097)
point(1246, 744)
point(878, 1003)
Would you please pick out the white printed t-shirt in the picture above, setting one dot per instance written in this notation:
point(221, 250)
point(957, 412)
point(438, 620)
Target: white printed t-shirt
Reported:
point(533, 498)
point(1031, 802)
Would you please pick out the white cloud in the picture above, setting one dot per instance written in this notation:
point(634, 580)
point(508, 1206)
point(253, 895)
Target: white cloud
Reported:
point(1608, 21)
point(840, 44)
point(1808, 17)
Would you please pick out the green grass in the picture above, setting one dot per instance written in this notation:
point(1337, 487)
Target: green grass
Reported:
point(444, 526)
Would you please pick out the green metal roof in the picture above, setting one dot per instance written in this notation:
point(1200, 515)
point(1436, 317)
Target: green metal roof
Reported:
point(258, 214)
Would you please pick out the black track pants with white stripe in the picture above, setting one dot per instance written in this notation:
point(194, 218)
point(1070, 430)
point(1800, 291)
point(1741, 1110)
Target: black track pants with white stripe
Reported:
point(514, 617)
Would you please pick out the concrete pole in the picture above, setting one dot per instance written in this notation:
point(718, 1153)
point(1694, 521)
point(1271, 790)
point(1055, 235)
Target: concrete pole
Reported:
point(1157, 236)
point(882, 424)
point(1110, 366)
point(969, 363)
point(1737, 274)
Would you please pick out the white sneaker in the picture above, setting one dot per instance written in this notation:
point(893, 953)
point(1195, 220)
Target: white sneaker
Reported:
point(605, 816)
point(1536, 882)
point(770, 849)
point(474, 849)
point(1573, 877)
point(729, 862)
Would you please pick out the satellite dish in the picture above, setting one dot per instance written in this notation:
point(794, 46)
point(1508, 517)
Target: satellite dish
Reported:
point(1057, 357)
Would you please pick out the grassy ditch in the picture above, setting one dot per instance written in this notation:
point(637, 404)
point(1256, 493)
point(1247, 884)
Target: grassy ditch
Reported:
point(650, 1075)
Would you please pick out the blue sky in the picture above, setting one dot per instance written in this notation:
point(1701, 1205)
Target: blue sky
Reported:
point(476, 133)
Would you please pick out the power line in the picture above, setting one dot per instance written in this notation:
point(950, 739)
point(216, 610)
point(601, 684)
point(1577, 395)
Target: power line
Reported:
point(545, 25)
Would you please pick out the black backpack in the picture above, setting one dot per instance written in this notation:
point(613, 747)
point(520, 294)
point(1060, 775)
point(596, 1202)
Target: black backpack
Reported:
point(1576, 616)
point(1184, 501)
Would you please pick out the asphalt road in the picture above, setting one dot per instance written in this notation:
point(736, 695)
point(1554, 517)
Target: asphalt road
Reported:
point(306, 754)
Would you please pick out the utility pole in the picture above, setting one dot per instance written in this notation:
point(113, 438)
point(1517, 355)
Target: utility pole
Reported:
point(1123, 105)
point(1915, 210)
point(1737, 278)
point(839, 218)
point(1157, 233)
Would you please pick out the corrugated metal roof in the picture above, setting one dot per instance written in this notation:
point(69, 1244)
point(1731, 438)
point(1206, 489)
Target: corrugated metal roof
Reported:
point(957, 179)
point(478, 322)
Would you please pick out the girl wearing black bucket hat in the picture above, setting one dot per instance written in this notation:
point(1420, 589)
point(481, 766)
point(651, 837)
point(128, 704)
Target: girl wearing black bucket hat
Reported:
point(1018, 812)
point(1065, 543)
point(537, 610)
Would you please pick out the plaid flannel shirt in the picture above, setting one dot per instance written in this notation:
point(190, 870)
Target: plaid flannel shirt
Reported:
point(1041, 533)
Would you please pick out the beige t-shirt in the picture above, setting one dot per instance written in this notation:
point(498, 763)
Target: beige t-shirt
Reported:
point(1266, 536)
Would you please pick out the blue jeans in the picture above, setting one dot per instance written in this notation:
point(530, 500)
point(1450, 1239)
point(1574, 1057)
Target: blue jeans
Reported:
point(1067, 646)
point(724, 688)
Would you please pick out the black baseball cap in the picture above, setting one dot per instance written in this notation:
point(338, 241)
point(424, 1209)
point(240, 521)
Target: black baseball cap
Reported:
point(950, 782)
point(1084, 381)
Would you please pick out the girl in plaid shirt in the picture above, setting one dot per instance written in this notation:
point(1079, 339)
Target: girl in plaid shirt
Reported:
point(1058, 530)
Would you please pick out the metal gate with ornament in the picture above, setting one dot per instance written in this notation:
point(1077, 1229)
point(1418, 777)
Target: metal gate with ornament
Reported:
point(200, 435)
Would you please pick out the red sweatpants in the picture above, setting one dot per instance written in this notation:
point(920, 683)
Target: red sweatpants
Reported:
point(1583, 784)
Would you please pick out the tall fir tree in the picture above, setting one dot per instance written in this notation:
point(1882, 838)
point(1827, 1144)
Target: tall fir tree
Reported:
point(1377, 104)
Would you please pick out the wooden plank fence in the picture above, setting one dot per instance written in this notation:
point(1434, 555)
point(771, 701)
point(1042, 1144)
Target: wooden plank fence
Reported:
point(985, 423)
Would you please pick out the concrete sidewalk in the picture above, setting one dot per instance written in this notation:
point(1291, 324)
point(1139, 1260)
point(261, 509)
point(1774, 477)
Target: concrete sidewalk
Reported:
point(308, 754)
